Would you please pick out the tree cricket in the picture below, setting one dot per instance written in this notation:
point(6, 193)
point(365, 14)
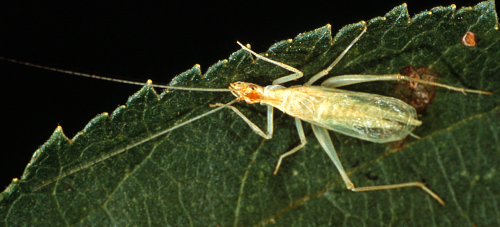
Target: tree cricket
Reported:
point(365, 116)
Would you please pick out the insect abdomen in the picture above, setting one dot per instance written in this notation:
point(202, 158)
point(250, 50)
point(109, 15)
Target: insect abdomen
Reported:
point(370, 117)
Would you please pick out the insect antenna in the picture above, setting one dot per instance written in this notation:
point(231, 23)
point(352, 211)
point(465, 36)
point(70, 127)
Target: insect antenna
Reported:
point(106, 156)
point(114, 79)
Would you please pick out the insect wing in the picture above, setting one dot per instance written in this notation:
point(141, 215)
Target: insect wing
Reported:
point(366, 116)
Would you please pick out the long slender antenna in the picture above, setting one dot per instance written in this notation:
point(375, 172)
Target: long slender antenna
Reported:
point(113, 79)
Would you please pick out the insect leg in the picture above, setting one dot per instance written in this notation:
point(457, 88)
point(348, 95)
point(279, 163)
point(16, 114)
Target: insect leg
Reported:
point(303, 142)
point(327, 70)
point(325, 141)
point(254, 127)
point(269, 134)
point(338, 81)
point(297, 73)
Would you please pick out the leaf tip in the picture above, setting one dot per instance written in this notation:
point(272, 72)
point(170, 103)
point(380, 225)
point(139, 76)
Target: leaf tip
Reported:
point(9, 189)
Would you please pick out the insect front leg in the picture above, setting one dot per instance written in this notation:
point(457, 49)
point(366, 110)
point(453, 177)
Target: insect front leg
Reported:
point(270, 130)
point(303, 142)
point(297, 73)
point(325, 141)
point(253, 126)
point(327, 70)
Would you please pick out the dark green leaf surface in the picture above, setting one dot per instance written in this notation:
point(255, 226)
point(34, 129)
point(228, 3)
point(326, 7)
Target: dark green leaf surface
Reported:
point(217, 171)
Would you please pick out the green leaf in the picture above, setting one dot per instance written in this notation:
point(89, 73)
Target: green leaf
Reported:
point(216, 171)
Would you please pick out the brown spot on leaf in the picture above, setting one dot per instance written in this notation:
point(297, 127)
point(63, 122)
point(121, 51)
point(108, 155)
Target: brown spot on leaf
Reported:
point(469, 39)
point(416, 94)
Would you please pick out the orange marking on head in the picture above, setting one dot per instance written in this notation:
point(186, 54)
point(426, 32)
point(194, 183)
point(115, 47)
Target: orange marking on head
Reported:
point(252, 94)
point(249, 92)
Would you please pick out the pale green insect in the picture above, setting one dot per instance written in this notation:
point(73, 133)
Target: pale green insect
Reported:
point(370, 117)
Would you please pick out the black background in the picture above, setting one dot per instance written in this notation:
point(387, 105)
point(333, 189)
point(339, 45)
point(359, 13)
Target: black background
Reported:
point(138, 42)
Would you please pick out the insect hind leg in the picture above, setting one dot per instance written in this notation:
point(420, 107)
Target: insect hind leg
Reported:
point(339, 81)
point(325, 141)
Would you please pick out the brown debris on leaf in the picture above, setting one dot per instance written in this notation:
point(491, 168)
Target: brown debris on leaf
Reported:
point(416, 94)
point(469, 39)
